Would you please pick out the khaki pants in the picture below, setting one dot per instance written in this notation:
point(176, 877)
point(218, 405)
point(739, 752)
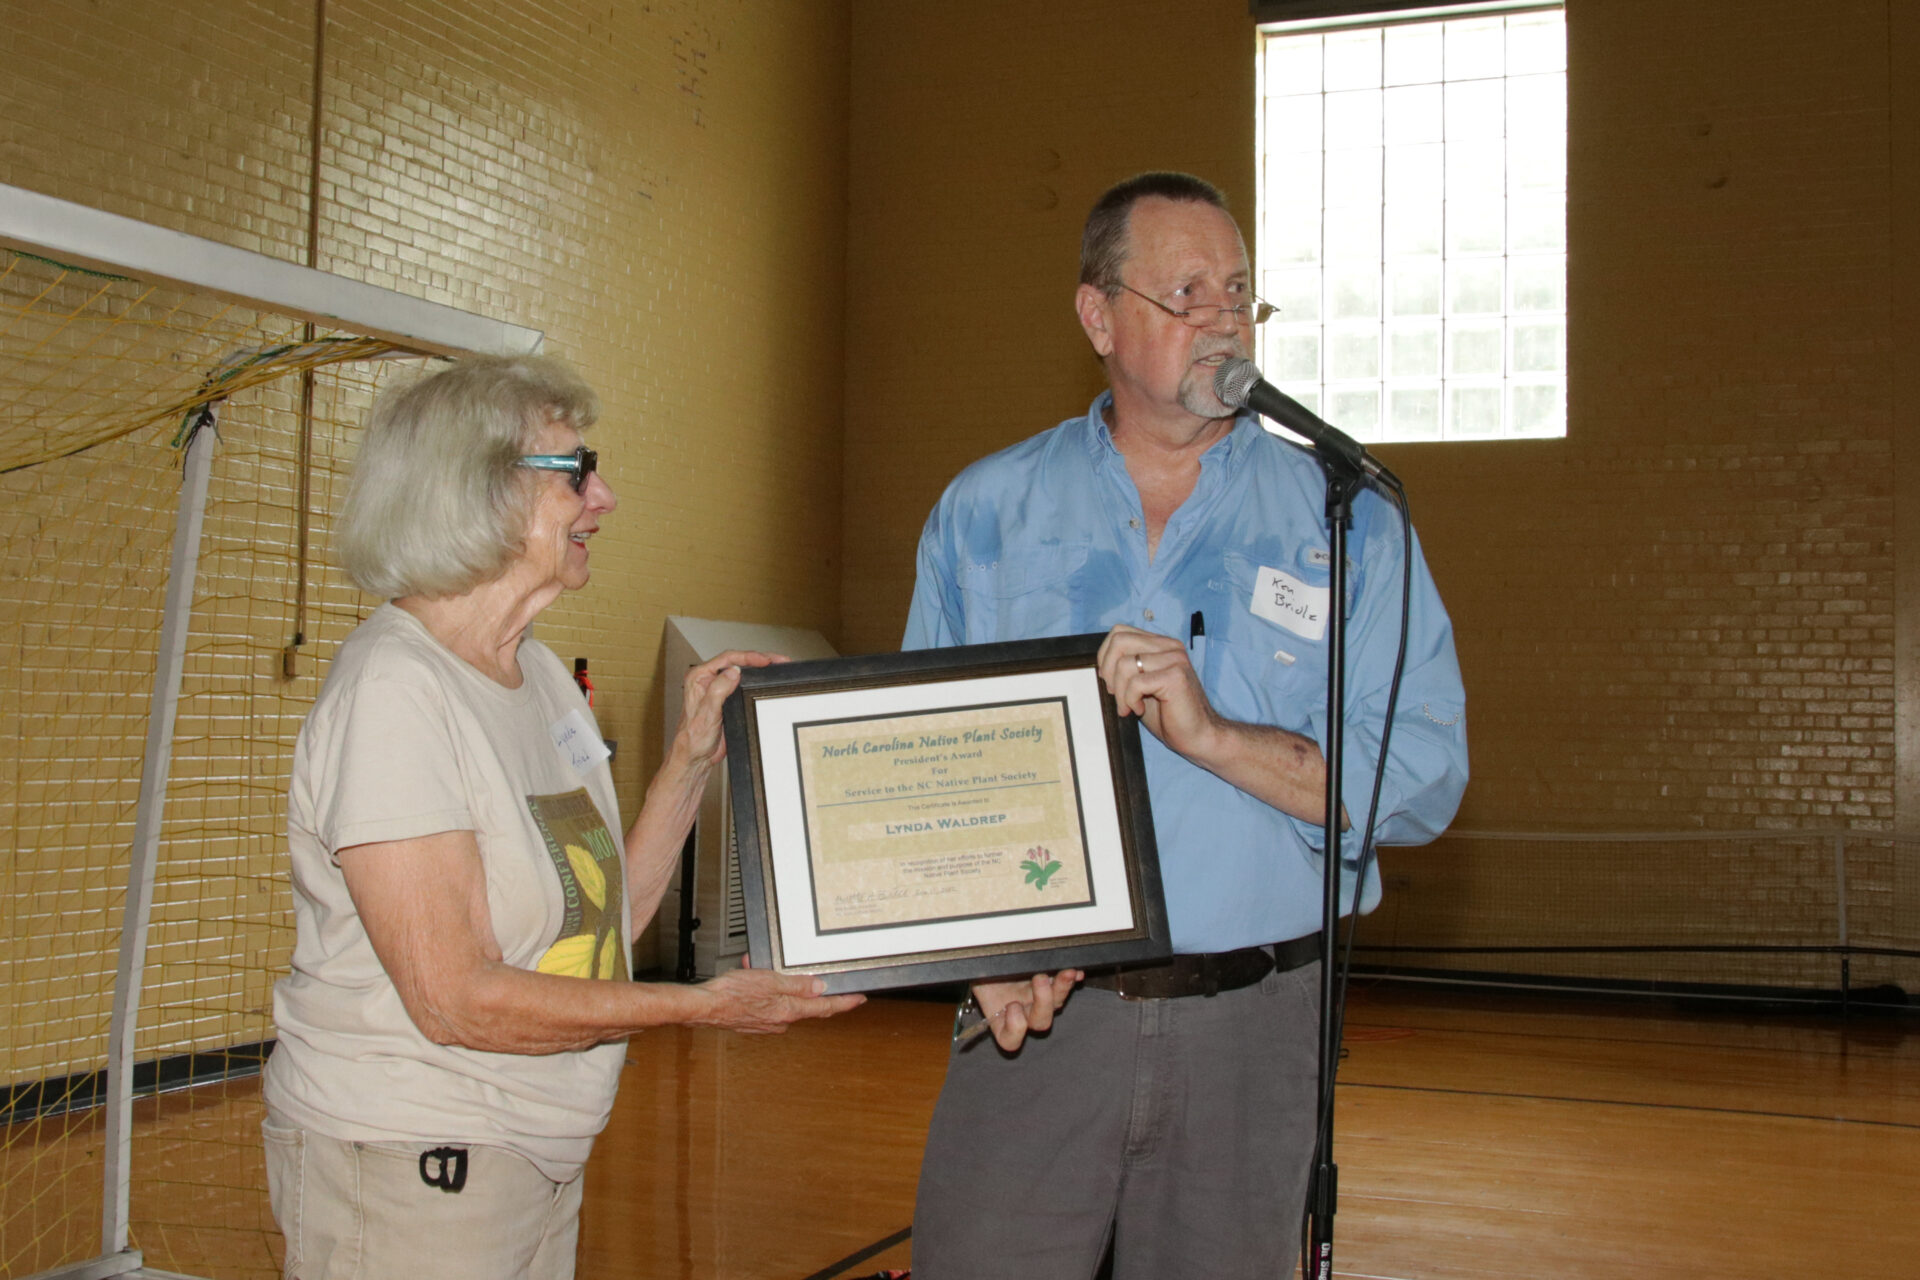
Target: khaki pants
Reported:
point(361, 1211)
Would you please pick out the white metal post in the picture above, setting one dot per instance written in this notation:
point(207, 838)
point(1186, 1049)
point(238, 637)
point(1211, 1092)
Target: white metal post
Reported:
point(168, 666)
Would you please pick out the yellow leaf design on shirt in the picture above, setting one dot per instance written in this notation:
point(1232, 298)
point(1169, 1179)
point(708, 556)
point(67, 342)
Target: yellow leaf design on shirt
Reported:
point(570, 957)
point(605, 968)
point(593, 881)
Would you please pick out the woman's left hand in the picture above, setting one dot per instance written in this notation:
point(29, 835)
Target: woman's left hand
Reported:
point(704, 692)
point(674, 795)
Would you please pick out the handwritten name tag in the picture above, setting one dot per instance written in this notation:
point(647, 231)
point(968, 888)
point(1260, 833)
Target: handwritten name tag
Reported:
point(1281, 598)
point(574, 734)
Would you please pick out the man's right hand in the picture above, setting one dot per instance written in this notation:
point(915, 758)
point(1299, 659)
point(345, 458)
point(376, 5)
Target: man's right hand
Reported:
point(758, 1002)
point(1012, 1009)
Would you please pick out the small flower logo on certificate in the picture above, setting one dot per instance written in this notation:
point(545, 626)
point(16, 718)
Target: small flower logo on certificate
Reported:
point(1039, 866)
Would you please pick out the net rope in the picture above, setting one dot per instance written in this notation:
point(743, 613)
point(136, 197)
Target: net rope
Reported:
point(59, 323)
point(100, 376)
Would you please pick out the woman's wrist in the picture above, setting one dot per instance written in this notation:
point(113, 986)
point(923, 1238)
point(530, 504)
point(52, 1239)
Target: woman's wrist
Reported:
point(677, 787)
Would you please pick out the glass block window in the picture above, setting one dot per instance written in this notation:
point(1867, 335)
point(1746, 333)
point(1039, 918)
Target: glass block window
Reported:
point(1412, 222)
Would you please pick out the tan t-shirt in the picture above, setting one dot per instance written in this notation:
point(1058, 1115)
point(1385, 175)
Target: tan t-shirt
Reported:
point(407, 740)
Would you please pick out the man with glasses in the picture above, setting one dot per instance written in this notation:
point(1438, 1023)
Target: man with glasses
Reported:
point(1171, 1109)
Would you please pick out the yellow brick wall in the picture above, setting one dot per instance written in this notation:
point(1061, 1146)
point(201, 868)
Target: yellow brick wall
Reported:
point(659, 188)
point(964, 230)
point(1682, 615)
point(814, 248)
point(750, 224)
point(1904, 342)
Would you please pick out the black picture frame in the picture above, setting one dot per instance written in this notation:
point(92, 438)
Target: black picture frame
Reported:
point(1121, 917)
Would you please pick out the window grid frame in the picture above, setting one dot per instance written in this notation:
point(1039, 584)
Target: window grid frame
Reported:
point(1324, 392)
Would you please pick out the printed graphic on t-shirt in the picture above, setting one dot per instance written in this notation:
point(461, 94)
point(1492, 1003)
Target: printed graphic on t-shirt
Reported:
point(591, 880)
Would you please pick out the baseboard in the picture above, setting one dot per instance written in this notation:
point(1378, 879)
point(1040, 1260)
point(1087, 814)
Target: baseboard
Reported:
point(1883, 998)
point(83, 1090)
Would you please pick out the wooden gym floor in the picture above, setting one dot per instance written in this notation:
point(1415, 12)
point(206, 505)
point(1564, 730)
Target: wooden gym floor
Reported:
point(1478, 1136)
point(1512, 1136)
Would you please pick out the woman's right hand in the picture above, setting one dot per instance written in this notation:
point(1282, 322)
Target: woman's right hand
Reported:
point(758, 1002)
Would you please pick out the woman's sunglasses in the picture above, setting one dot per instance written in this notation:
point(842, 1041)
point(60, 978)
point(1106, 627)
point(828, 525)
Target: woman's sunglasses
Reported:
point(582, 462)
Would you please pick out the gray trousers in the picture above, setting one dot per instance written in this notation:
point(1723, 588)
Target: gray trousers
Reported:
point(1183, 1127)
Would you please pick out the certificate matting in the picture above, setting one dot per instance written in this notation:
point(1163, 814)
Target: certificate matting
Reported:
point(941, 815)
point(953, 813)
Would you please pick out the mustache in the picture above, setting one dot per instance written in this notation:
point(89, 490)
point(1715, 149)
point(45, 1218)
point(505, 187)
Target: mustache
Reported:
point(1213, 344)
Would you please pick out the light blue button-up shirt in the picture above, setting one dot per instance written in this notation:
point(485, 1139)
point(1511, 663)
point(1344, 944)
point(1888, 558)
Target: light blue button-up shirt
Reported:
point(1048, 538)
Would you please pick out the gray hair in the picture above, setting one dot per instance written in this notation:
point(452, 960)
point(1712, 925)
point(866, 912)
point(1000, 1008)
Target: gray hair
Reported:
point(439, 502)
point(1104, 243)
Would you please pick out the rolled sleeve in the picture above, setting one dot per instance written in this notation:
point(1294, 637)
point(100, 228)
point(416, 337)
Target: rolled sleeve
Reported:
point(1426, 772)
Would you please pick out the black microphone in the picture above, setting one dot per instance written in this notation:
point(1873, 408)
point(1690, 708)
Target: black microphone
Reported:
point(1239, 385)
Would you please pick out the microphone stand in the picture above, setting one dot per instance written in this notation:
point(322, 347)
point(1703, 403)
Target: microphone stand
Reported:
point(1343, 482)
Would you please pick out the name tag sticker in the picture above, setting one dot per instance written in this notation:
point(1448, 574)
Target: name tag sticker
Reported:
point(1281, 598)
point(574, 734)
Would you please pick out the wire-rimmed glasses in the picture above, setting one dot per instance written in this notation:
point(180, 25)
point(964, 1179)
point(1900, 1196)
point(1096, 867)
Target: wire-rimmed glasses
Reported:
point(1204, 315)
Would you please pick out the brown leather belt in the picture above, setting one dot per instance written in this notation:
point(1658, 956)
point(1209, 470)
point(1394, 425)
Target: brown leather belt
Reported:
point(1208, 974)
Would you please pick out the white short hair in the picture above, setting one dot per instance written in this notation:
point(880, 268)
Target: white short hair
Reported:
point(439, 502)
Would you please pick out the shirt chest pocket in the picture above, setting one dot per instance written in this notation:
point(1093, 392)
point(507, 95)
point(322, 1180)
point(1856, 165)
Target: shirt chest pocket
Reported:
point(1260, 670)
point(1028, 592)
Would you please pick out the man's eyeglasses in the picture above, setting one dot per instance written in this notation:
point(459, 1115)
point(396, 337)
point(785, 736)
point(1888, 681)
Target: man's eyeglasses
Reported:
point(582, 462)
point(1206, 315)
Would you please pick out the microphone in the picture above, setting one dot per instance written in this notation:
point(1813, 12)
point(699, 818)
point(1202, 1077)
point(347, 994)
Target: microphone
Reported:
point(1239, 385)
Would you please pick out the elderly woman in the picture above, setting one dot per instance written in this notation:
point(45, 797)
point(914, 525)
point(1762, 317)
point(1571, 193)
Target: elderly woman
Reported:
point(451, 1034)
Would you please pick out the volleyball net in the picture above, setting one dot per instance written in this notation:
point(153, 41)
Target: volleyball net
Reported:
point(149, 423)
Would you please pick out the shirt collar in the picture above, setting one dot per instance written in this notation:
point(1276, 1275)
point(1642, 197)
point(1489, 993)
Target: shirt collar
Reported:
point(1232, 446)
point(1096, 436)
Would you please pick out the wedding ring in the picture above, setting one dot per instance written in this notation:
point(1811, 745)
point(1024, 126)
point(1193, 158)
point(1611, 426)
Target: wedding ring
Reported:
point(1138, 665)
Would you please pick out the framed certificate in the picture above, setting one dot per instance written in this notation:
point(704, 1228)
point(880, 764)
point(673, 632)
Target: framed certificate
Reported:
point(942, 816)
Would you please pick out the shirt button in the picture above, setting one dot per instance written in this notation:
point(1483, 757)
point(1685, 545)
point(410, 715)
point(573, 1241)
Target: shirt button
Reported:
point(1133, 524)
point(1149, 615)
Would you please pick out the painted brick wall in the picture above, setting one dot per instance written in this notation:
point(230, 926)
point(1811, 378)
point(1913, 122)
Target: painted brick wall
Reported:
point(659, 188)
point(961, 337)
point(1681, 616)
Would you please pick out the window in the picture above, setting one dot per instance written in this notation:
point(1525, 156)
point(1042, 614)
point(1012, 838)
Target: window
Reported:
point(1412, 225)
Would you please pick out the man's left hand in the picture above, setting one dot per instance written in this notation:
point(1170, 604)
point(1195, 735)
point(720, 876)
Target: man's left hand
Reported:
point(1151, 677)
